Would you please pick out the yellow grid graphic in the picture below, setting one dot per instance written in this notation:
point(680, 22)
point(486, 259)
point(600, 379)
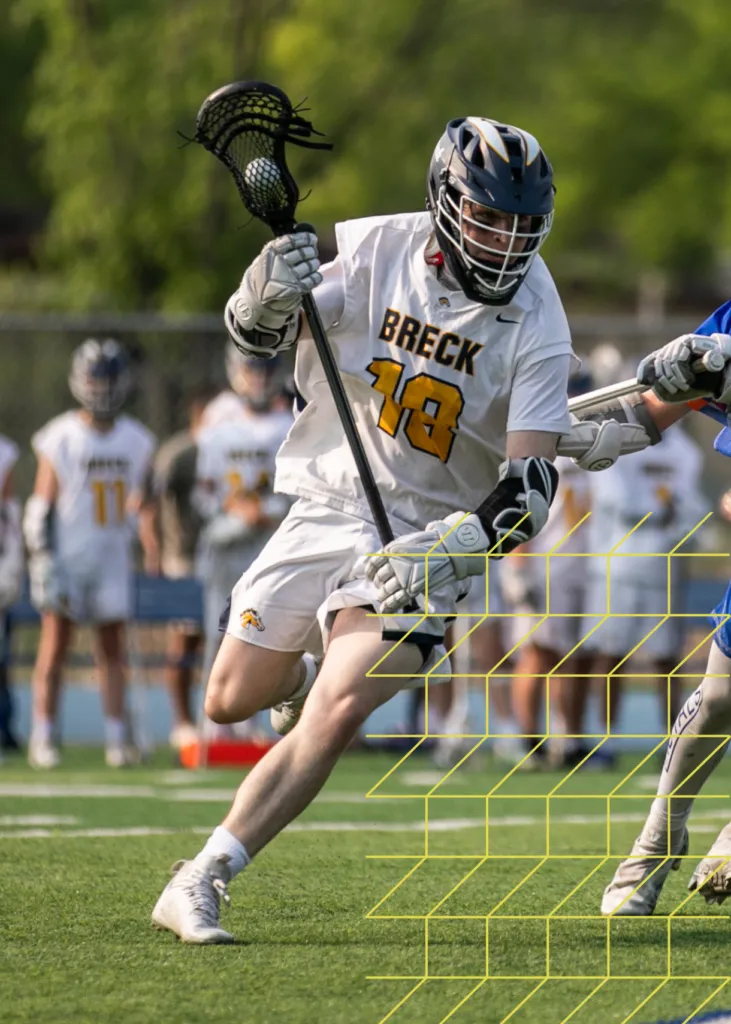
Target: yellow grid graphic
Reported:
point(587, 865)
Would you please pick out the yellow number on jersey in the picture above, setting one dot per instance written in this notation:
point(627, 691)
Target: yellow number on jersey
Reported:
point(575, 507)
point(432, 407)
point(109, 496)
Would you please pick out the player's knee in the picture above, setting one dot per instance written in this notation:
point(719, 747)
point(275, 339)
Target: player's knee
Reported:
point(225, 700)
point(338, 719)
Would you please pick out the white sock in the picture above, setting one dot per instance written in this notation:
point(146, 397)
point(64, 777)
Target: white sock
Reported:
point(312, 667)
point(43, 730)
point(115, 731)
point(221, 843)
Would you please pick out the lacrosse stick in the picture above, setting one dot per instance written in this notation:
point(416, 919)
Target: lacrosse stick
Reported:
point(246, 125)
point(711, 362)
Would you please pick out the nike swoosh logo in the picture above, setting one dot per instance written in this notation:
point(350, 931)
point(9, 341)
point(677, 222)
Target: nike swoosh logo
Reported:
point(502, 320)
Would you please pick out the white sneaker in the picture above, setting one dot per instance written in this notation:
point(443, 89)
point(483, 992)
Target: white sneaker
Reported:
point(712, 877)
point(638, 881)
point(121, 755)
point(43, 754)
point(182, 735)
point(191, 901)
point(286, 715)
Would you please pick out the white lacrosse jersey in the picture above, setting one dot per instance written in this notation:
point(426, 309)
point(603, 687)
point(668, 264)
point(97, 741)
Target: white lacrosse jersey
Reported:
point(8, 458)
point(97, 473)
point(434, 380)
point(226, 407)
point(663, 480)
point(239, 455)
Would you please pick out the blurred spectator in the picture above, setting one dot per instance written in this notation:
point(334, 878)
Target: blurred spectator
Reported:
point(169, 529)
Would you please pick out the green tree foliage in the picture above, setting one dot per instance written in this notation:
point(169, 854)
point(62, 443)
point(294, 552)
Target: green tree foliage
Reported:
point(629, 97)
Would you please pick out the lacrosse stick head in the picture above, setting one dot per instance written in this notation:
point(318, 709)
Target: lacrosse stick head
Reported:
point(246, 125)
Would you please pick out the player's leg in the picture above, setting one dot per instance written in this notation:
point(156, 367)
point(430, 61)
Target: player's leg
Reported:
point(291, 774)
point(55, 637)
point(183, 644)
point(8, 740)
point(698, 742)
point(111, 659)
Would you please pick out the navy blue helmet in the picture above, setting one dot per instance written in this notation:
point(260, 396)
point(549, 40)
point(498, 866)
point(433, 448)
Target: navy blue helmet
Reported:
point(100, 379)
point(490, 194)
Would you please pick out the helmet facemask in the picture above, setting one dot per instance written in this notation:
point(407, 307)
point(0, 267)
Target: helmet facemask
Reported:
point(488, 250)
point(100, 378)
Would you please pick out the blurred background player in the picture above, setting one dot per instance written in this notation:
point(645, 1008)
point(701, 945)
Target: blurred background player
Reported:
point(78, 530)
point(169, 531)
point(235, 475)
point(11, 575)
point(664, 482)
point(531, 592)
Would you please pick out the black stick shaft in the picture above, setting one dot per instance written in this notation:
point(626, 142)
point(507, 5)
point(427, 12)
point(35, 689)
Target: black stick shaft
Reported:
point(337, 389)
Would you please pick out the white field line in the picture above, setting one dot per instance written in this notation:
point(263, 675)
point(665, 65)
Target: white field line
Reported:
point(7, 820)
point(42, 790)
point(440, 825)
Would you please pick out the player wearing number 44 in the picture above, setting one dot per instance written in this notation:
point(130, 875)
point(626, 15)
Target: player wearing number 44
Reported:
point(78, 531)
point(455, 354)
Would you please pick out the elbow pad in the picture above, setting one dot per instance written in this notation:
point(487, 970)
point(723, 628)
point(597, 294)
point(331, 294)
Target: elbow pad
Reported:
point(37, 524)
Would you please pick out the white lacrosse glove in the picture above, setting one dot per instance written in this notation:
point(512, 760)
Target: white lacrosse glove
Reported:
point(669, 370)
point(511, 515)
point(595, 446)
point(47, 591)
point(401, 573)
point(262, 316)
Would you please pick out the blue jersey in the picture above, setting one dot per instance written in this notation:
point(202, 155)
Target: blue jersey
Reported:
point(720, 323)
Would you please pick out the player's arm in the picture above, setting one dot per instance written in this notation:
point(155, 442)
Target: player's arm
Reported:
point(44, 581)
point(148, 526)
point(11, 548)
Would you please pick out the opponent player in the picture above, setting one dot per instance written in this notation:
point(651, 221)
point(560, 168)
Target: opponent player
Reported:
point(11, 576)
point(235, 475)
point(700, 734)
point(455, 353)
point(91, 464)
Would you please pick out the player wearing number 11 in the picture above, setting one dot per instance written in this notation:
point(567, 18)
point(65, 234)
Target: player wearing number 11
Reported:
point(77, 526)
point(455, 351)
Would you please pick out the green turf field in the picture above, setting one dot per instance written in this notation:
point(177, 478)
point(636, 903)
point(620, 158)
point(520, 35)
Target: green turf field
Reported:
point(356, 914)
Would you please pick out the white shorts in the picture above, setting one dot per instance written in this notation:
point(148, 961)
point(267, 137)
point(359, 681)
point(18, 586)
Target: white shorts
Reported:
point(634, 610)
point(485, 595)
point(104, 594)
point(313, 566)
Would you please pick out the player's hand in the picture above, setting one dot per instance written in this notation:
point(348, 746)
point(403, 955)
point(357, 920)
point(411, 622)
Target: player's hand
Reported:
point(272, 288)
point(596, 446)
point(674, 374)
point(447, 550)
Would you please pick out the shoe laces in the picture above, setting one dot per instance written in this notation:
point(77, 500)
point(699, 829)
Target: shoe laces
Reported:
point(204, 891)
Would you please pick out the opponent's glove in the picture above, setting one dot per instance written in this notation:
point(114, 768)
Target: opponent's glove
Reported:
point(525, 490)
point(262, 316)
point(595, 446)
point(401, 573)
point(673, 374)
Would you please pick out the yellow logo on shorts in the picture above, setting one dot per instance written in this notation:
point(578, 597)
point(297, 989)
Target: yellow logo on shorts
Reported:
point(250, 617)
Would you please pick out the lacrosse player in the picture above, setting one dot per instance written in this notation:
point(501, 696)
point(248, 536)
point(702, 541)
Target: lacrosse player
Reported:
point(91, 465)
point(700, 734)
point(169, 526)
point(11, 577)
point(455, 353)
point(235, 473)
